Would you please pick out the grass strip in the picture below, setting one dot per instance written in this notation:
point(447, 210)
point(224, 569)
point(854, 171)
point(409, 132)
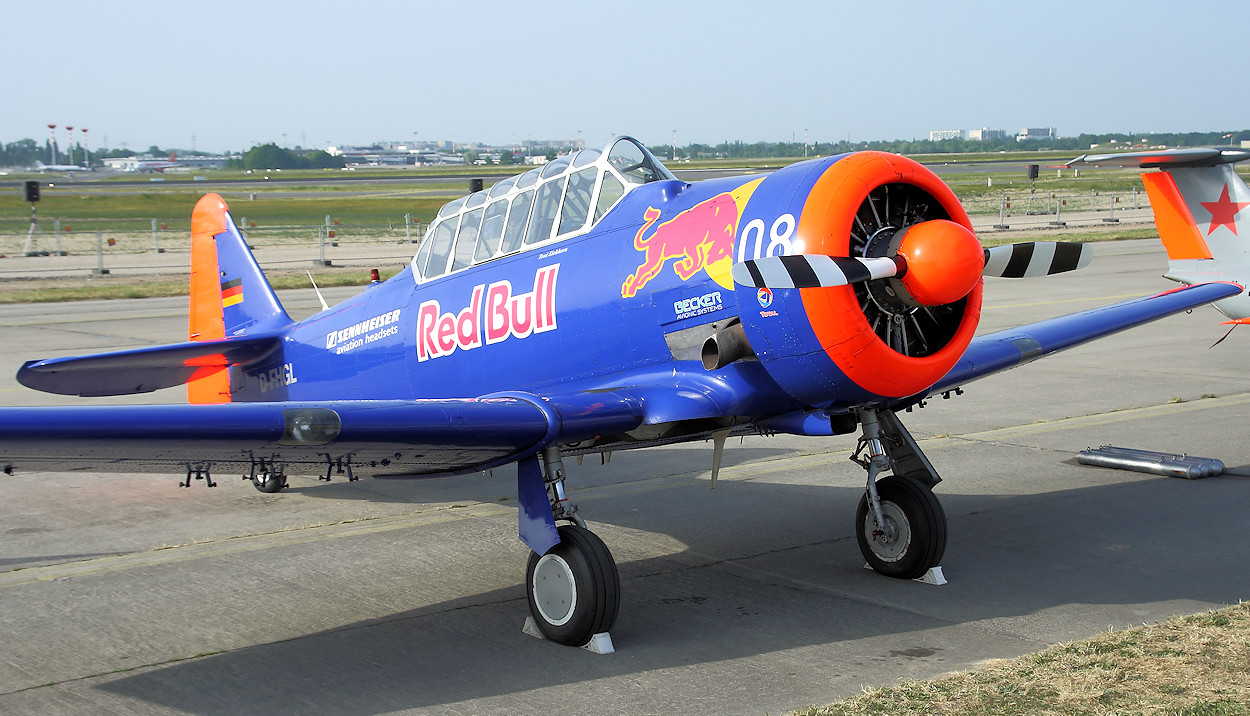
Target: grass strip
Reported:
point(1194, 666)
point(153, 287)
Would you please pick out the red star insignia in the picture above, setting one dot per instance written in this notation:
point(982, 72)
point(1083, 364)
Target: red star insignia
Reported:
point(1224, 211)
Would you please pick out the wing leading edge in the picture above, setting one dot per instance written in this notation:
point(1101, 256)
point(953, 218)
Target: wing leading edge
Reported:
point(419, 437)
point(1002, 350)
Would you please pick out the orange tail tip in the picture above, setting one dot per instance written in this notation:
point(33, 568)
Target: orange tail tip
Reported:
point(211, 385)
point(209, 217)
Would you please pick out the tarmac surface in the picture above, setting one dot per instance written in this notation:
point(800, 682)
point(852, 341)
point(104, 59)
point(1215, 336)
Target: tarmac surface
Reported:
point(128, 594)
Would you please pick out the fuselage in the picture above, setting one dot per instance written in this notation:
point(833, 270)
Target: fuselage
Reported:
point(629, 302)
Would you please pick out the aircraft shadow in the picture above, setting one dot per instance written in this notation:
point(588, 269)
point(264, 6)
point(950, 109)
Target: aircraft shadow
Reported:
point(500, 484)
point(785, 575)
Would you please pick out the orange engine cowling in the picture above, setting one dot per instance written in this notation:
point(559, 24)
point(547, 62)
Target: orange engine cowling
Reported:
point(883, 338)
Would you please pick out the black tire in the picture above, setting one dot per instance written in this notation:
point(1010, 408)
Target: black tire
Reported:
point(920, 524)
point(571, 613)
point(268, 482)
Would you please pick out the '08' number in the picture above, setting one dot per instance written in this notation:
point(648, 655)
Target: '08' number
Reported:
point(779, 236)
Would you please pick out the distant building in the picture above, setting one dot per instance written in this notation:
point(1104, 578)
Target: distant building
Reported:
point(985, 134)
point(978, 135)
point(149, 163)
point(1032, 134)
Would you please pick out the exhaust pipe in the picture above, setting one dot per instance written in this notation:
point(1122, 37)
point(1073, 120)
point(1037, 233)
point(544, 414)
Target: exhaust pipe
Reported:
point(725, 346)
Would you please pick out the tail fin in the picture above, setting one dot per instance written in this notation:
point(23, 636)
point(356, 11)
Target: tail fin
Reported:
point(1202, 211)
point(229, 294)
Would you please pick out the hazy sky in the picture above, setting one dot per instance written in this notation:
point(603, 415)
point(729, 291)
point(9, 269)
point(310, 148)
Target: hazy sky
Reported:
point(234, 74)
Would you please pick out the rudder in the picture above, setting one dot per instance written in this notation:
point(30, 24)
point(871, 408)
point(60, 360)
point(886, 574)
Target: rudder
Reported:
point(230, 295)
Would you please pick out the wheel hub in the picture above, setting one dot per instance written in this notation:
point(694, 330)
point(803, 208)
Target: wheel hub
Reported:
point(555, 589)
point(891, 540)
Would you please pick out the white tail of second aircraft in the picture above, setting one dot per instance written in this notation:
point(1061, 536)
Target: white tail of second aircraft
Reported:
point(1202, 211)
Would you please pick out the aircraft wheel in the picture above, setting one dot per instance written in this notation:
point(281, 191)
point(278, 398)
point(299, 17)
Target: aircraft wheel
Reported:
point(268, 482)
point(915, 531)
point(574, 590)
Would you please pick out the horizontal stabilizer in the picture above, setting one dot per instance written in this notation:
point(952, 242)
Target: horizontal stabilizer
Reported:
point(142, 370)
point(1167, 158)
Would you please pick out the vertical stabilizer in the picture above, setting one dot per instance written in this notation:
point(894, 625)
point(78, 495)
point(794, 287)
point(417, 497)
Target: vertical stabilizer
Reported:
point(229, 294)
point(1202, 211)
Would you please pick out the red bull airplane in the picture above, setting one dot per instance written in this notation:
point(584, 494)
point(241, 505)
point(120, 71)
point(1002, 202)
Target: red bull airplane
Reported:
point(594, 304)
point(1199, 204)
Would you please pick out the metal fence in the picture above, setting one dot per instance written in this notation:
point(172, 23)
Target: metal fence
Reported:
point(119, 243)
point(128, 241)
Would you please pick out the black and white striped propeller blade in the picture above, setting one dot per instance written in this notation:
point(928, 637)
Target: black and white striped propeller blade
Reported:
point(1036, 258)
point(813, 271)
point(1024, 260)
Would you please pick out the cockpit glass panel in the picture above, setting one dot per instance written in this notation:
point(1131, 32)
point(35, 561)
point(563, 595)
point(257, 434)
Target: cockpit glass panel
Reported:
point(423, 253)
point(477, 198)
point(577, 201)
point(451, 207)
point(554, 167)
point(514, 231)
point(502, 187)
point(609, 193)
point(492, 230)
point(635, 163)
point(546, 206)
point(466, 239)
point(440, 247)
point(584, 157)
point(527, 179)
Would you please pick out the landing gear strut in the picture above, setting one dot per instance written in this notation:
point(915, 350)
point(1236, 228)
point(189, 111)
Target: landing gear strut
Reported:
point(900, 525)
point(573, 589)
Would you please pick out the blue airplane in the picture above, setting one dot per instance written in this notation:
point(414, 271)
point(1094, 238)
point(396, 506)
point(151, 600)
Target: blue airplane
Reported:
point(596, 303)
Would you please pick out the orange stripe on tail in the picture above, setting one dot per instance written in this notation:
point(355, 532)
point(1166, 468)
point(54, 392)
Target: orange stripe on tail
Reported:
point(211, 385)
point(1176, 224)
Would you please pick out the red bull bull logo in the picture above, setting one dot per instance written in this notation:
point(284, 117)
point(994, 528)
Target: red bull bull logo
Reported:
point(700, 238)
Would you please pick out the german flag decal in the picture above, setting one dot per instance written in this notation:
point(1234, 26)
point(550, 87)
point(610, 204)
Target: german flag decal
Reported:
point(232, 292)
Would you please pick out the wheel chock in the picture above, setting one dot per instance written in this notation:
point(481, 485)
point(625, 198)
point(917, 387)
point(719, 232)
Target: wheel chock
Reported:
point(532, 629)
point(600, 643)
point(934, 576)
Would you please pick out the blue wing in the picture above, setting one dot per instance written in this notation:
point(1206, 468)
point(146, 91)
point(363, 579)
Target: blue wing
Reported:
point(999, 351)
point(333, 437)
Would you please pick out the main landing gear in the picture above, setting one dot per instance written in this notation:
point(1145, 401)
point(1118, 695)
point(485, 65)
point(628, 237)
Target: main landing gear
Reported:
point(900, 525)
point(573, 589)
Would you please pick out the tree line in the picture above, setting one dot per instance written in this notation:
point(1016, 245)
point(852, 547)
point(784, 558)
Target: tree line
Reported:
point(25, 152)
point(1077, 144)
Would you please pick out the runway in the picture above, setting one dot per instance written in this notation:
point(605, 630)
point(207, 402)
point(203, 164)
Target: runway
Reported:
point(129, 594)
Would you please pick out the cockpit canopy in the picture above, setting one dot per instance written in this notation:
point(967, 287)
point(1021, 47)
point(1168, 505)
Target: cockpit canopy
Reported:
point(561, 199)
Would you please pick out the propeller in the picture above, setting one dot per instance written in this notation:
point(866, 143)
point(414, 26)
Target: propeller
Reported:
point(935, 262)
point(912, 266)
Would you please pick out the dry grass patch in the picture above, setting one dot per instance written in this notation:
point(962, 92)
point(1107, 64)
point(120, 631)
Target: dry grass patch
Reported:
point(1193, 666)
